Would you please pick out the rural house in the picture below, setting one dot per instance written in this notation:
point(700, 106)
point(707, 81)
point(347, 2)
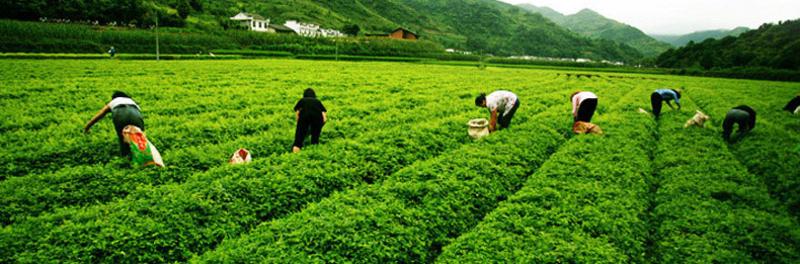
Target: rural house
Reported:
point(399, 33)
point(281, 29)
point(253, 22)
point(303, 29)
point(402, 33)
point(311, 30)
point(331, 33)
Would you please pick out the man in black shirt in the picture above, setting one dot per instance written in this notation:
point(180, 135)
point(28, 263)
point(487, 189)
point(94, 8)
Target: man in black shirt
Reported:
point(742, 115)
point(311, 116)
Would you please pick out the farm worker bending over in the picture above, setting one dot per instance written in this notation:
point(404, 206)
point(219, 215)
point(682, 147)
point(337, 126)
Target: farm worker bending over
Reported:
point(742, 115)
point(583, 106)
point(794, 105)
point(311, 116)
point(664, 95)
point(502, 105)
point(124, 112)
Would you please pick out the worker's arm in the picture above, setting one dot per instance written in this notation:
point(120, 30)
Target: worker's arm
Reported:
point(727, 128)
point(679, 105)
point(102, 113)
point(575, 106)
point(574, 110)
point(493, 121)
point(324, 117)
point(670, 105)
point(297, 115)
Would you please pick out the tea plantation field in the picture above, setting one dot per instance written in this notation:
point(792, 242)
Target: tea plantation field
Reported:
point(396, 178)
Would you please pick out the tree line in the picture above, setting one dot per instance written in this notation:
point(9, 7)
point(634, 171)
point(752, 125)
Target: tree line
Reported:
point(771, 46)
point(127, 12)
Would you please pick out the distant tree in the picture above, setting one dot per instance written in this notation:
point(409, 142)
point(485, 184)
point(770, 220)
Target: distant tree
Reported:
point(184, 8)
point(197, 5)
point(126, 10)
point(707, 61)
point(27, 10)
point(740, 57)
point(789, 57)
point(351, 30)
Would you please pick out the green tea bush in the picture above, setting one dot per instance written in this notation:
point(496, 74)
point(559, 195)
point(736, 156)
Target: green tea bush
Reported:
point(587, 204)
point(709, 208)
point(82, 185)
point(208, 200)
point(253, 53)
point(409, 216)
point(233, 189)
point(396, 178)
point(767, 151)
point(23, 200)
point(357, 58)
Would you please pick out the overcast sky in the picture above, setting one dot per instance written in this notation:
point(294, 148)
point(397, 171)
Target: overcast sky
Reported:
point(681, 16)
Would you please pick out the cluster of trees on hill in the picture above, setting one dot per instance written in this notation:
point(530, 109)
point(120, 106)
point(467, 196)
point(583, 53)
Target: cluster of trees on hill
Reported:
point(135, 12)
point(775, 46)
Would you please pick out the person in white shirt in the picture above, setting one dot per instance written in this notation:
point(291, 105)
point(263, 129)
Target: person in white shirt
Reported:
point(124, 112)
point(583, 106)
point(502, 105)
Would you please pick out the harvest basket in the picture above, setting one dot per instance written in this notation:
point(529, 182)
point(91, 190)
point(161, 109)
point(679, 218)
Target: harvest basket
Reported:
point(478, 128)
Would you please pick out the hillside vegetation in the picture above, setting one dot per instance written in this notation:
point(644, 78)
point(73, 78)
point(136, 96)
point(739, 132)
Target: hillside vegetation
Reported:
point(774, 46)
point(590, 23)
point(21, 36)
point(485, 26)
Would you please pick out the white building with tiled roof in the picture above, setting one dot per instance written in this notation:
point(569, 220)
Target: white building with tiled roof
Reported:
point(312, 30)
point(253, 22)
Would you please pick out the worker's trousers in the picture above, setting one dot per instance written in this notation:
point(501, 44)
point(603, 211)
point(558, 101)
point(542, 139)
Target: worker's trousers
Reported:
point(307, 126)
point(504, 120)
point(123, 116)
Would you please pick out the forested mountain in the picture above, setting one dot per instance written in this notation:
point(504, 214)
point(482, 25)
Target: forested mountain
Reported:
point(487, 26)
point(506, 29)
point(699, 36)
point(592, 24)
point(771, 45)
point(546, 12)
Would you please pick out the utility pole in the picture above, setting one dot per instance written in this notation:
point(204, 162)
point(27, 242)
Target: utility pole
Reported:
point(157, 51)
point(480, 60)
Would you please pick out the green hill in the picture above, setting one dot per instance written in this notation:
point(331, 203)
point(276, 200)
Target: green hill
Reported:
point(592, 24)
point(771, 45)
point(476, 25)
point(546, 12)
point(699, 36)
point(506, 29)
